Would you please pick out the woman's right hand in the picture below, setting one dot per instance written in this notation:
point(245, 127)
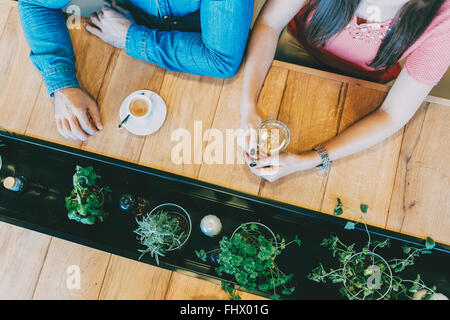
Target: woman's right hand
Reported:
point(250, 120)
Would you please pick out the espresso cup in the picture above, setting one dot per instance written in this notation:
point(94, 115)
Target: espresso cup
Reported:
point(140, 107)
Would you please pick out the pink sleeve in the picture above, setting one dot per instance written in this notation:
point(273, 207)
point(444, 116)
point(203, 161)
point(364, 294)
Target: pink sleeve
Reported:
point(431, 59)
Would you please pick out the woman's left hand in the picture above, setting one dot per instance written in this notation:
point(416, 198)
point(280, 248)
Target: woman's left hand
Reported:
point(275, 167)
point(111, 25)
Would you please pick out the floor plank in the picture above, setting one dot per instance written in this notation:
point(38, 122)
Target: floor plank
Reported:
point(20, 82)
point(311, 108)
point(366, 177)
point(55, 282)
point(22, 254)
point(421, 201)
point(191, 103)
point(4, 13)
point(8, 3)
point(132, 280)
point(183, 287)
point(233, 171)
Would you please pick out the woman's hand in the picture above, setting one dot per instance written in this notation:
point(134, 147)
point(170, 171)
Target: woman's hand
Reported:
point(76, 113)
point(111, 25)
point(261, 51)
point(275, 167)
point(250, 120)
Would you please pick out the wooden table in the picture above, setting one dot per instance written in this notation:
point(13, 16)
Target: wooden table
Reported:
point(405, 180)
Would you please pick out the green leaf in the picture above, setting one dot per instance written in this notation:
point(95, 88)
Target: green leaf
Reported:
point(338, 209)
point(406, 249)
point(298, 241)
point(89, 221)
point(288, 291)
point(275, 297)
point(338, 280)
point(343, 291)
point(263, 287)
point(364, 208)
point(201, 255)
point(429, 243)
point(414, 288)
point(349, 226)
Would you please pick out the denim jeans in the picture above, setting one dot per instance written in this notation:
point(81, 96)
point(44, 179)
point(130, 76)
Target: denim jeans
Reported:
point(203, 37)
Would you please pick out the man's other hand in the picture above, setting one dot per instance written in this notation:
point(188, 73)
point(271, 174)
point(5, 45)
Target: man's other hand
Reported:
point(111, 25)
point(76, 113)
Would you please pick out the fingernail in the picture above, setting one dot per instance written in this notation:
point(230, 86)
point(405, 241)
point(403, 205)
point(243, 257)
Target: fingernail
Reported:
point(253, 164)
point(252, 152)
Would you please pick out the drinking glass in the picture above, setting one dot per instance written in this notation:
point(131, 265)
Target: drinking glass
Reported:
point(273, 137)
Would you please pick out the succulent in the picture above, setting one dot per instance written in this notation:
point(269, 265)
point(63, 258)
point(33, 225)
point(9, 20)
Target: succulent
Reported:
point(86, 201)
point(159, 232)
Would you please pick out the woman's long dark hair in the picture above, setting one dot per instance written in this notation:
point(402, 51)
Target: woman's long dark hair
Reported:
point(331, 16)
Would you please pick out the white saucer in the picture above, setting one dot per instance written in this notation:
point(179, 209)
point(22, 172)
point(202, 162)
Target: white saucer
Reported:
point(151, 123)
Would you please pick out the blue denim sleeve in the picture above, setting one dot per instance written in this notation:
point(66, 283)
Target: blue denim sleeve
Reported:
point(45, 29)
point(216, 52)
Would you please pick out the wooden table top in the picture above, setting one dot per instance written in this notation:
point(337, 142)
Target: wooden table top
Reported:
point(404, 180)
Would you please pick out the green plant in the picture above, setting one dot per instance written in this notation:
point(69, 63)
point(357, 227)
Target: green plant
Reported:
point(357, 268)
point(250, 258)
point(160, 233)
point(85, 203)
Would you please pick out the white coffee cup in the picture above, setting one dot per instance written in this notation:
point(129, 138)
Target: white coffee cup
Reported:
point(140, 107)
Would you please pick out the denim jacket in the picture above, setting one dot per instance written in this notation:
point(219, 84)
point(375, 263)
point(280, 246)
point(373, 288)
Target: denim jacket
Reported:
point(203, 37)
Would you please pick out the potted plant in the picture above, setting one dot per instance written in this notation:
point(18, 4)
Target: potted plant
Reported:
point(166, 228)
point(249, 257)
point(87, 199)
point(364, 274)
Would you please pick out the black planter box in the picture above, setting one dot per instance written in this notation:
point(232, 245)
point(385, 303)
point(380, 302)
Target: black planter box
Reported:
point(53, 166)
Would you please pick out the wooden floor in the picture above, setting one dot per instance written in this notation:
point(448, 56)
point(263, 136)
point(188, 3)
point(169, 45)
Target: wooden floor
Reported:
point(405, 180)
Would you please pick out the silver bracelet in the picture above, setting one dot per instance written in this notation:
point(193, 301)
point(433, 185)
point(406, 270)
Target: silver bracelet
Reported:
point(326, 162)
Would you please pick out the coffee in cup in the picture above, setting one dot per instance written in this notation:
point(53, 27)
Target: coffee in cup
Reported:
point(140, 106)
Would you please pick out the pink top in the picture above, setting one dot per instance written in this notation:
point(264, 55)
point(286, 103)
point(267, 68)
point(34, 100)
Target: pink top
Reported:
point(357, 45)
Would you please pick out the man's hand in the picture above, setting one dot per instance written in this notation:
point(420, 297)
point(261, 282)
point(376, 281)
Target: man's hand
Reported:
point(111, 25)
point(77, 115)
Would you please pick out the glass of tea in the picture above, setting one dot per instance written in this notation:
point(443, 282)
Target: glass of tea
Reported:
point(273, 137)
point(140, 107)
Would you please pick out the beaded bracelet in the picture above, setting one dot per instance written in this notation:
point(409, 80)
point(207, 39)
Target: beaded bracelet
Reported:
point(326, 162)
